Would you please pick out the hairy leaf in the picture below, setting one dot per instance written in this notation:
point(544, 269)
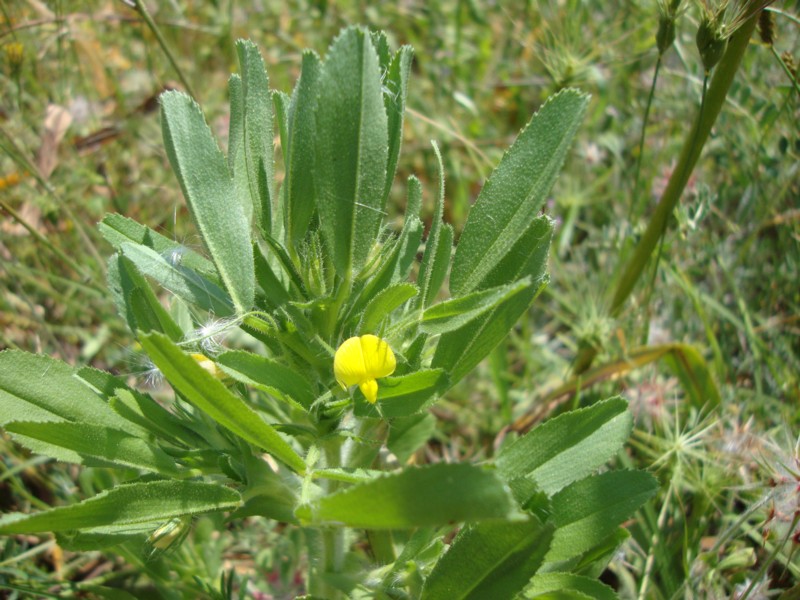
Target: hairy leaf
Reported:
point(210, 192)
point(416, 497)
point(127, 505)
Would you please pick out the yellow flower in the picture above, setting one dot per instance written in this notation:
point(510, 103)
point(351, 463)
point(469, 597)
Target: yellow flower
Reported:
point(209, 365)
point(362, 360)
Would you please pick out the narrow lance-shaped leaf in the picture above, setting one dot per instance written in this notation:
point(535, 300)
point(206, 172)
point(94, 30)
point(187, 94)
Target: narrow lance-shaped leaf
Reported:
point(398, 258)
point(257, 132)
point(281, 101)
point(300, 151)
point(210, 192)
point(237, 157)
point(382, 305)
point(436, 259)
point(352, 149)
point(236, 128)
point(457, 352)
point(266, 374)
point(142, 308)
point(453, 314)
point(275, 290)
point(528, 257)
point(39, 388)
point(206, 392)
point(127, 504)
point(179, 280)
point(82, 440)
point(395, 89)
point(139, 408)
point(416, 497)
point(516, 190)
point(118, 230)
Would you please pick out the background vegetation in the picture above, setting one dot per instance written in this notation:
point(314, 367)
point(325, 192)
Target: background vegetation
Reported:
point(80, 137)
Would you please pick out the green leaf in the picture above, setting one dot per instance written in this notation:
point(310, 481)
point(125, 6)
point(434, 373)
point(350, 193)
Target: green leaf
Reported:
point(237, 159)
point(236, 132)
point(127, 505)
point(352, 150)
point(117, 230)
point(179, 280)
point(405, 395)
point(489, 560)
point(691, 368)
point(274, 289)
point(527, 258)
point(348, 475)
point(453, 314)
point(568, 447)
point(208, 394)
point(97, 538)
point(409, 434)
point(138, 409)
point(587, 511)
point(257, 149)
point(439, 246)
point(395, 89)
point(93, 441)
point(545, 583)
point(210, 193)
point(459, 351)
point(267, 494)
point(142, 308)
point(38, 388)
point(267, 375)
point(594, 561)
point(300, 150)
point(396, 259)
point(416, 497)
point(515, 191)
point(383, 304)
point(281, 102)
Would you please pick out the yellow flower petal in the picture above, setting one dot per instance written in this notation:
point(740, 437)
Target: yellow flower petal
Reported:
point(362, 360)
point(370, 390)
point(348, 363)
point(209, 365)
point(379, 359)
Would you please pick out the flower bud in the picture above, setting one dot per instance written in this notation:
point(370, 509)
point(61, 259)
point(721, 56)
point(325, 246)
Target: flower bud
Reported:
point(665, 35)
point(711, 43)
point(15, 54)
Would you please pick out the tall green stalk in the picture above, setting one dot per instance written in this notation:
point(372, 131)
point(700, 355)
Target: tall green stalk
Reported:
point(141, 8)
point(695, 140)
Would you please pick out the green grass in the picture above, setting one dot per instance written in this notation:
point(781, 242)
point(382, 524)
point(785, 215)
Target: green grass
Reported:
point(725, 282)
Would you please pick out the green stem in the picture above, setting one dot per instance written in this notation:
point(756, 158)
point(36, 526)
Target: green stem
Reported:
point(785, 68)
point(633, 211)
point(655, 540)
point(690, 153)
point(141, 8)
point(654, 272)
point(714, 101)
point(333, 538)
point(44, 241)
